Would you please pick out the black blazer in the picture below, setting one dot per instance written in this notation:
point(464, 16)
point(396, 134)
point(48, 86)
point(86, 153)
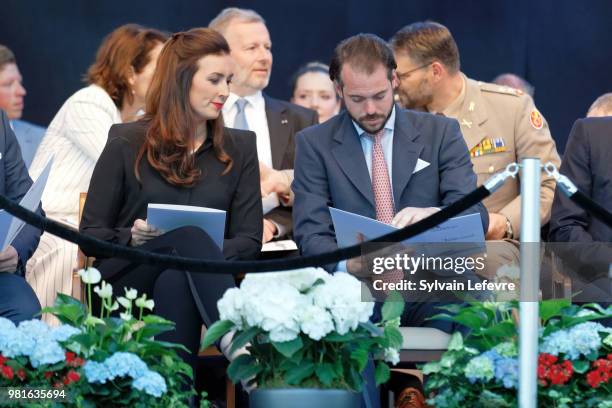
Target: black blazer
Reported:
point(116, 198)
point(588, 163)
point(284, 121)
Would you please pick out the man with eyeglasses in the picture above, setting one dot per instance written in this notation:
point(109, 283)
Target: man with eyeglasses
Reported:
point(500, 124)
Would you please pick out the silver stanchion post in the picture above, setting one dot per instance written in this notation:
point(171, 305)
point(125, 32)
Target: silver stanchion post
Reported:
point(530, 282)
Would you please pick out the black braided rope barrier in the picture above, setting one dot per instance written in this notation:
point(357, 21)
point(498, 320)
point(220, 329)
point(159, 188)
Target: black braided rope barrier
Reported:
point(111, 250)
point(592, 207)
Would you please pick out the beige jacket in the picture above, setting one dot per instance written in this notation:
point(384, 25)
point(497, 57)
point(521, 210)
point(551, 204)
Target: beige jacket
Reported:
point(488, 111)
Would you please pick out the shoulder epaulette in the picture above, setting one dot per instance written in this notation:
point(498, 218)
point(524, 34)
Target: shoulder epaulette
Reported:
point(502, 89)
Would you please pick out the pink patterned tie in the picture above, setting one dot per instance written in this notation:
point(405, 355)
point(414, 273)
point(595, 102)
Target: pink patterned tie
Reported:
point(383, 194)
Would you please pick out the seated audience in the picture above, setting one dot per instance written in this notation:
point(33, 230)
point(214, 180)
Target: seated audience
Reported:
point(601, 107)
point(516, 82)
point(118, 82)
point(312, 89)
point(180, 153)
point(12, 93)
point(17, 299)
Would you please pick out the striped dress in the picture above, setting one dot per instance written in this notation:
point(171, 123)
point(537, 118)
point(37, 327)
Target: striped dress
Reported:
point(75, 138)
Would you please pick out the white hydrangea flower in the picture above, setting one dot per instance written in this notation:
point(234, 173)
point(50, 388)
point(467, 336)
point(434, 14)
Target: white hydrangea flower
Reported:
point(231, 307)
point(341, 296)
point(316, 322)
point(275, 307)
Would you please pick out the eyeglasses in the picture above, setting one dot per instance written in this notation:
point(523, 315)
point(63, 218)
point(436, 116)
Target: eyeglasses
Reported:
point(407, 73)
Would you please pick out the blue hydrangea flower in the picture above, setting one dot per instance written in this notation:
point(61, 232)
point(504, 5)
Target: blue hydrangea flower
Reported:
point(34, 328)
point(64, 332)
point(479, 368)
point(96, 372)
point(121, 364)
point(581, 339)
point(5, 325)
point(506, 371)
point(15, 343)
point(152, 383)
point(47, 351)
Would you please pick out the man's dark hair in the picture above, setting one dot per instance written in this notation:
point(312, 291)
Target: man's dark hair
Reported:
point(426, 42)
point(364, 52)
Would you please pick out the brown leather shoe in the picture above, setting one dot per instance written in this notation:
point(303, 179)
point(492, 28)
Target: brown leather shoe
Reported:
point(410, 397)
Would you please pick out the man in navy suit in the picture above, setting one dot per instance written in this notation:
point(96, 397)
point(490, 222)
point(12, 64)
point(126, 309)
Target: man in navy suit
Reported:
point(12, 94)
point(17, 299)
point(275, 122)
point(588, 163)
point(426, 163)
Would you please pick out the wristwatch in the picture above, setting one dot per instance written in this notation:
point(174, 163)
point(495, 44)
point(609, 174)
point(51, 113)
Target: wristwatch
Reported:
point(509, 232)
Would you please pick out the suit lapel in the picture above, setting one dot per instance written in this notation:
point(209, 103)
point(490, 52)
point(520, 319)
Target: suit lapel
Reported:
point(349, 155)
point(278, 126)
point(405, 154)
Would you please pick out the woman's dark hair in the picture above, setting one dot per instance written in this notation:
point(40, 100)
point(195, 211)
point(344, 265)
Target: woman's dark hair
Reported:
point(122, 52)
point(315, 66)
point(169, 139)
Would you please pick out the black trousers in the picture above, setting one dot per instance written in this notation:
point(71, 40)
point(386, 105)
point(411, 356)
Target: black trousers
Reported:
point(188, 304)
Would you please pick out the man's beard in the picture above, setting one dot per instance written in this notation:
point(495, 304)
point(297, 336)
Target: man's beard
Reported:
point(419, 101)
point(365, 127)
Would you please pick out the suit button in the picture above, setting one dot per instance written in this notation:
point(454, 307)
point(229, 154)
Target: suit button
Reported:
point(491, 169)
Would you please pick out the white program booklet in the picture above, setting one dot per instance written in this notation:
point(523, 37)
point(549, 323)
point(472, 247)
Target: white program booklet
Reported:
point(168, 217)
point(11, 226)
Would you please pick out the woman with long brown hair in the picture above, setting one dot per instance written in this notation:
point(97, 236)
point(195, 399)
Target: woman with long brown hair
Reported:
point(180, 153)
point(117, 83)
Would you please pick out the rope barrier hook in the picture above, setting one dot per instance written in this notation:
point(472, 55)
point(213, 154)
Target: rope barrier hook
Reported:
point(563, 182)
point(497, 180)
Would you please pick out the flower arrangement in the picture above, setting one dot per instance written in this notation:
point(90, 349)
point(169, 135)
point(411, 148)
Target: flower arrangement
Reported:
point(307, 329)
point(97, 360)
point(574, 363)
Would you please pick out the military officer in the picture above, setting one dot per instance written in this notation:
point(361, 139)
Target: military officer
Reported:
point(501, 125)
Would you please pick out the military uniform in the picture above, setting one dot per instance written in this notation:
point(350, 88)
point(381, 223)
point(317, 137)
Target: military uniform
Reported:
point(501, 125)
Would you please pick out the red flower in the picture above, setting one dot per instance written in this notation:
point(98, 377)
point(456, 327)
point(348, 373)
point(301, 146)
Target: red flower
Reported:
point(70, 356)
point(596, 377)
point(58, 385)
point(557, 374)
point(78, 362)
point(7, 372)
point(73, 376)
point(601, 374)
point(3, 360)
point(21, 374)
point(48, 374)
point(546, 359)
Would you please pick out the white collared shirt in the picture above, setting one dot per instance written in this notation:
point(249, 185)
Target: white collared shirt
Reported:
point(255, 112)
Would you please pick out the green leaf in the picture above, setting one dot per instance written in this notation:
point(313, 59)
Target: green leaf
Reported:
point(372, 328)
point(431, 367)
point(503, 329)
point(299, 373)
point(288, 348)
point(580, 366)
point(456, 341)
point(216, 331)
point(382, 373)
point(360, 355)
point(325, 372)
point(242, 368)
point(469, 318)
point(243, 338)
point(393, 306)
point(552, 308)
point(339, 338)
point(395, 337)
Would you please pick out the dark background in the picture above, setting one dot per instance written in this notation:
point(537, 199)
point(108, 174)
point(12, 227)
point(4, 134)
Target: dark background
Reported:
point(562, 47)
